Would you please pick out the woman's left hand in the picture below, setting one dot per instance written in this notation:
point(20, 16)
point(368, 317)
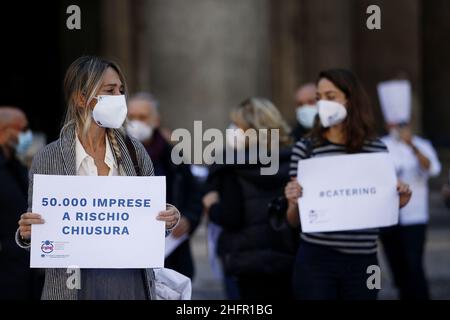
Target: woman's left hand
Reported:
point(404, 192)
point(171, 216)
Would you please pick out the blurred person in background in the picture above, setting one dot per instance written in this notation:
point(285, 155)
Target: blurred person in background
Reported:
point(258, 256)
point(184, 190)
point(17, 280)
point(446, 192)
point(39, 141)
point(143, 124)
point(333, 265)
point(415, 162)
point(306, 111)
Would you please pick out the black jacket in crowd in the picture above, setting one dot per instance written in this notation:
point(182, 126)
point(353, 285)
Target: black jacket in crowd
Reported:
point(249, 243)
point(17, 281)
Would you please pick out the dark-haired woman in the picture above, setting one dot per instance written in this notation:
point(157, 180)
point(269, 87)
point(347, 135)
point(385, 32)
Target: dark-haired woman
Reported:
point(334, 265)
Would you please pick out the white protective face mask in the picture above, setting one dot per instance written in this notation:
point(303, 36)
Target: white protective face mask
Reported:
point(331, 113)
point(139, 130)
point(110, 111)
point(306, 115)
point(235, 137)
point(25, 142)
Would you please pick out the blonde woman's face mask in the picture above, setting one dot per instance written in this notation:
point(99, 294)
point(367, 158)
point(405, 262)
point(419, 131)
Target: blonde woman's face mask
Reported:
point(110, 109)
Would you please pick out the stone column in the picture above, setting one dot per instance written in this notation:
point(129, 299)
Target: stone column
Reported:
point(436, 71)
point(203, 57)
point(117, 35)
point(327, 35)
point(307, 37)
point(392, 51)
point(287, 59)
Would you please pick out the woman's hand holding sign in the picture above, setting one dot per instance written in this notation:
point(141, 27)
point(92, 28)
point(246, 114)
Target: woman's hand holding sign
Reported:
point(404, 193)
point(171, 216)
point(293, 191)
point(25, 222)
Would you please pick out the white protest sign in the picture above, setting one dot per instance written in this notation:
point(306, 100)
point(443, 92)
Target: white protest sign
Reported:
point(395, 100)
point(348, 192)
point(98, 222)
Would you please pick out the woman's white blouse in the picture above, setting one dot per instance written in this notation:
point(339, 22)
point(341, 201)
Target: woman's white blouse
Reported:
point(85, 164)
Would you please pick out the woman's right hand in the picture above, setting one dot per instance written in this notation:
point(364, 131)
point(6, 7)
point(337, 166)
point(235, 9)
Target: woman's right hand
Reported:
point(209, 200)
point(25, 222)
point(293, 191)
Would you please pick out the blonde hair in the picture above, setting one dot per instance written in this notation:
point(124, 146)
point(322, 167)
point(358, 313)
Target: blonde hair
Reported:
point(261, 113)
point(82, 81)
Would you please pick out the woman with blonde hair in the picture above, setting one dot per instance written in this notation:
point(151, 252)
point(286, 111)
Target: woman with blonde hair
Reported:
point(254, 253)
point(92, 143)
point(261, 114)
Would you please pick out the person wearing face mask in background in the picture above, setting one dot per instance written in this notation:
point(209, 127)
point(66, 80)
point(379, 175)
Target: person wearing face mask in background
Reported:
point(415, 161)
point(17, 281)
point(333, 265)
point(306, 111)
point(183, 189)
point(92, 142)
point(143, 124)
point(253, 253)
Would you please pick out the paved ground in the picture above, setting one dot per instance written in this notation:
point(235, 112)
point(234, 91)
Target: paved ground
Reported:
point(437, 256)
point(206, 286)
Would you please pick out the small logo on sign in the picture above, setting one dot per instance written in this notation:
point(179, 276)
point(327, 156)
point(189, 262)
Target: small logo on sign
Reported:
point(47, 246)
point(313, 216)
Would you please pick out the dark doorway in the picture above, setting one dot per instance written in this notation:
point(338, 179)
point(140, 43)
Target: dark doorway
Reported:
point(36, 49)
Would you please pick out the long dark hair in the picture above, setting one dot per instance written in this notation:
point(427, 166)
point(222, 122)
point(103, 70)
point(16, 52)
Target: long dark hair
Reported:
point(359, 124)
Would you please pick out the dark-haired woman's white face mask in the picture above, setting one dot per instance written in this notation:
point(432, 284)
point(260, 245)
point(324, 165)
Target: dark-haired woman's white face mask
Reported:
point(331, 113)
point(110, 111)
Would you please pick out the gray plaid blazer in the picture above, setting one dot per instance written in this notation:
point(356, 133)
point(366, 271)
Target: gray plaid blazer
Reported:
point(58, 158)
